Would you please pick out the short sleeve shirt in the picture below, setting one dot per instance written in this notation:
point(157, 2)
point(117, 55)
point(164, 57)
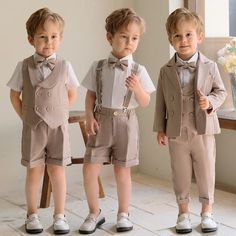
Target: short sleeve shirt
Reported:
point(113, 83)
point(16, 81)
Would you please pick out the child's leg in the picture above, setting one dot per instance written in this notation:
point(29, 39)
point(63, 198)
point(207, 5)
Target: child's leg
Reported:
point(33, 178)
point(183, 208)
point(91, 173)
point(206, 207)
point(124, 187)
point(58, 182)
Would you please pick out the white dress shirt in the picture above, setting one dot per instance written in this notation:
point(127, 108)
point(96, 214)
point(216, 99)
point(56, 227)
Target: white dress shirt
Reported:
point(113, 83)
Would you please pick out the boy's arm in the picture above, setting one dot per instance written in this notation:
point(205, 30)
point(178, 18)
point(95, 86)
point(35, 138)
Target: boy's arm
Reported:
point(218, 93)
point(133, 84)
point(91, 124)
point(16, 101)
point(72, 94)
point(160, 107)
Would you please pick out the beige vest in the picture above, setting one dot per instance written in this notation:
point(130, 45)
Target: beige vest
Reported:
point(44, 100)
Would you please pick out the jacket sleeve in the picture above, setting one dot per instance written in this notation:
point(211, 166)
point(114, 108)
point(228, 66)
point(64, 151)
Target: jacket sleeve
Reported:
point(160, 107)
point(218, 93)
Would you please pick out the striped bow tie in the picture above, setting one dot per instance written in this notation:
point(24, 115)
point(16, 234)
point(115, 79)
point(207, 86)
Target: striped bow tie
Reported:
point(122, 64)
point(190, 66)
point(50, 63)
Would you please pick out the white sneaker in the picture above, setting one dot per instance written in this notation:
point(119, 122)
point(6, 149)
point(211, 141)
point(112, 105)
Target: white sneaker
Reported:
point(91, 223)
point(183, 225)
point(33, 224)
point(60, 224)
point(208, 224)
point(123, 222)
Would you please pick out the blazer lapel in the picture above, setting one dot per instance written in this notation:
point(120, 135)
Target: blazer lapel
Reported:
point(171, 71)
point(202, 71)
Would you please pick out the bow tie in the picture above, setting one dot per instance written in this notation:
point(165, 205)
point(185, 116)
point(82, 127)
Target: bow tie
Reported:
point(122, 64)
point(189, 66)
point(50, 63)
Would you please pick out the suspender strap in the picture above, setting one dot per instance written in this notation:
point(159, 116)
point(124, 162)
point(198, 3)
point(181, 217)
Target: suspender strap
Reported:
point(99, 82)
point(128, 95)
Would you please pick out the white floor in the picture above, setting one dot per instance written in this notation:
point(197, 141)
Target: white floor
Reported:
point(153, 209)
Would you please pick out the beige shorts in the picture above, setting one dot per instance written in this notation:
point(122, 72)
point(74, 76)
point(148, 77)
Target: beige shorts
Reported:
point(117, 140)
point(45, 145)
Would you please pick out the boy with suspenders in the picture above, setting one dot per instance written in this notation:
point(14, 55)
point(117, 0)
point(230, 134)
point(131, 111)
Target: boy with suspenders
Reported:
point(115, 87)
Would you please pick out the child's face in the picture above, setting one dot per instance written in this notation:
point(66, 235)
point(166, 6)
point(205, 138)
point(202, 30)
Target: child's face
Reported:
point(125, 40)
point(47, 39)
point(185, 39)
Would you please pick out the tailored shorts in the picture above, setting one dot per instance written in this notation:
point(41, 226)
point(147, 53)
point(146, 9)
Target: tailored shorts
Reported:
point(117, 140)
point(43, 145)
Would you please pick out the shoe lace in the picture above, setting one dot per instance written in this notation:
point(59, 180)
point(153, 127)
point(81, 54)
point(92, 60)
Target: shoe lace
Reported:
point(32, 218)
point(90, 218)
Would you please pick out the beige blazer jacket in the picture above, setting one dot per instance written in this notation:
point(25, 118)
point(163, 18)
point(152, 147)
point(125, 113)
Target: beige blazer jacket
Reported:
point(168, 110)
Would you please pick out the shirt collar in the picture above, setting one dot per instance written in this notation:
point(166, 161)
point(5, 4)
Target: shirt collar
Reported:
point(194, 58)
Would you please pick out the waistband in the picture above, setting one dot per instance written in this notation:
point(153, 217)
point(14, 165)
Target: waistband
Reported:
point(114, 112)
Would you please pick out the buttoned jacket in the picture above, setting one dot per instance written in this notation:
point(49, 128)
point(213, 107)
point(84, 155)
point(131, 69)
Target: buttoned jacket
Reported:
point(169, 98)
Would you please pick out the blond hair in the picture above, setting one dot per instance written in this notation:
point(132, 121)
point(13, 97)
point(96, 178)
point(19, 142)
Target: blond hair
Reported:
point(182, 14)
point(122, 18)
point(38, 18)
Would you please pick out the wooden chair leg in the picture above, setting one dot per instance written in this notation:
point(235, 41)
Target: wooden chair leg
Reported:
point(46, 190)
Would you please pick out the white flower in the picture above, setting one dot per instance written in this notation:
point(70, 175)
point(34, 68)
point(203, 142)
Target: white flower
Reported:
point(227, 57)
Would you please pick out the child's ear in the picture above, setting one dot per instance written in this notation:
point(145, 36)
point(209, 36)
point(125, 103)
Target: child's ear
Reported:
point(200, 37)
point(31, 40)
point(109, 37)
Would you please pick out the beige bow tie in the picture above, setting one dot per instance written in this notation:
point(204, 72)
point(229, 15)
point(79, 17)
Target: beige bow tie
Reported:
point(122, 64)
point(50, 63)
point(190, 66)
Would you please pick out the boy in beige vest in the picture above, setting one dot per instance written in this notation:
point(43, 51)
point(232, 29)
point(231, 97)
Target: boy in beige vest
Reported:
point(42, 88)
point(115, 87)
point(189, 92)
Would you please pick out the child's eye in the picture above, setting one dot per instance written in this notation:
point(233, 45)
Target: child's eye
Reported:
point(176, 36)
point(188, 35)
point(54, 36)
point(135, 38)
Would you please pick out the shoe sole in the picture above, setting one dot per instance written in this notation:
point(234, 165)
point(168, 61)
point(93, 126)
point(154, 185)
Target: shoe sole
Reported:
point(209, 230)
point(183, 231)
point(33, 231)
point(124, 229)
point(92, 231)
point(61, 231)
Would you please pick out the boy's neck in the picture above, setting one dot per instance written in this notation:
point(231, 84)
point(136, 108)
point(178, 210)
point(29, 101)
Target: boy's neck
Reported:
point(51, 56)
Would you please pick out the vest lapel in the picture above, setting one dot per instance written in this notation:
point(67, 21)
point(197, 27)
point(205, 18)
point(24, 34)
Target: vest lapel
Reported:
point(53, 78)
point(34, 73)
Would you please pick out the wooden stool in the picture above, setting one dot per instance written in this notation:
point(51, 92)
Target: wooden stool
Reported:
point(74, 117)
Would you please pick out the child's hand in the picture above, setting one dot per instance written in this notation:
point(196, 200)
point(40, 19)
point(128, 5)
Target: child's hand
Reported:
point(203, 101)
point(92, 126)
point(161, 138)
point(132, 83)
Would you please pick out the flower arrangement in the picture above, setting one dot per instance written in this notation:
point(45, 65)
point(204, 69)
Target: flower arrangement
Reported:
point(227, 57)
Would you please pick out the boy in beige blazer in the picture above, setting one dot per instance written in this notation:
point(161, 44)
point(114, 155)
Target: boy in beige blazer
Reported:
point(189, 92)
